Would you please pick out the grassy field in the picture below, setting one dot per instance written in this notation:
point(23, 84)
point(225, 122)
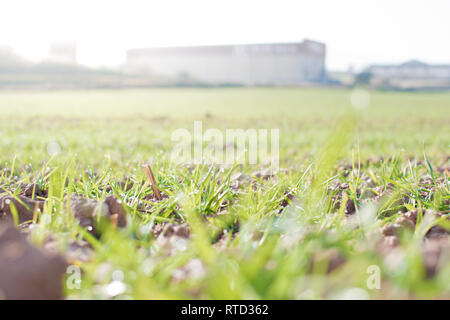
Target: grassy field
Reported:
point(360, 193)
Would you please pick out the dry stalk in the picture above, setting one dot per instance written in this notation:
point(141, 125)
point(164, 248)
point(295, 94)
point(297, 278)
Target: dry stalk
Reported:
point(151, 178)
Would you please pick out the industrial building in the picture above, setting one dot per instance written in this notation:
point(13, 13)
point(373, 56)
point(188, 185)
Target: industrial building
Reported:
point(411, 70)
point(247, 64)
point(409, 75)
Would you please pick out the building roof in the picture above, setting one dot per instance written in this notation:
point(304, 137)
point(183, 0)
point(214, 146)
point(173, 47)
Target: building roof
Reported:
point(409, 64)
point(306, 46)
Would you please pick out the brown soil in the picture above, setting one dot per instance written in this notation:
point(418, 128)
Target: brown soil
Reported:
point(24, 205)
point(26, 272)
point(85, 211)
point(33, 191)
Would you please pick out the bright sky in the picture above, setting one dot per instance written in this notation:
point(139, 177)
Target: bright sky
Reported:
point(357, 32)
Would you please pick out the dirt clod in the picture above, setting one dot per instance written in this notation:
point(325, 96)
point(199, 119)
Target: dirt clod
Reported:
point(412, 216)
point(178, 230)
point(86, 210)
point(404, 222)
point(387, 244)
point(173, 238)
point(25, 208)
point(350, 207)
point(33, 191)
point(433, 251)
point(332, 259)
point(26, 272)
point(288, 197)
point(389, 230)
point(264, 175)
point(116, 210)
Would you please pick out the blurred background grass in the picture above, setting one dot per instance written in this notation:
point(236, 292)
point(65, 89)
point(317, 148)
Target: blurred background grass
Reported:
point(225, 102)
point(132, 125)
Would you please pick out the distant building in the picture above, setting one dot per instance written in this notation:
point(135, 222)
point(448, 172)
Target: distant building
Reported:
point(248, 64)
point(411, 74)
point(63, 52)
point(411, 70)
